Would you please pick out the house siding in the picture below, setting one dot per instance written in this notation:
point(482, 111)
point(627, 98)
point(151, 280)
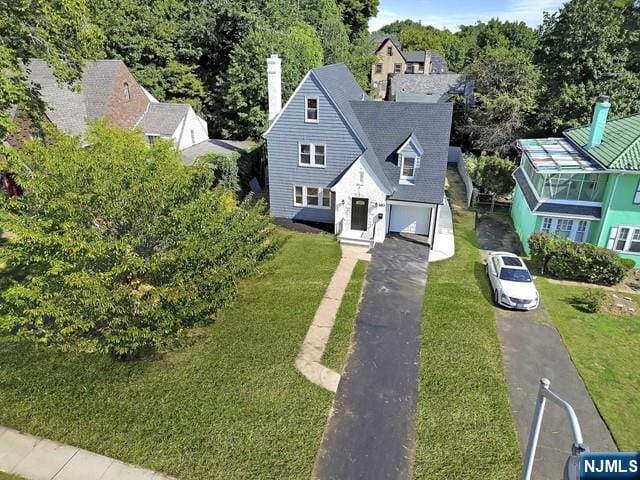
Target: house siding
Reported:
point(341, 150)
point(619, 209)
point(524, 221)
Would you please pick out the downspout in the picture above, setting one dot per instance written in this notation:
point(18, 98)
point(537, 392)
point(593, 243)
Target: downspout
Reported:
point(435, 227)
point(606, 214)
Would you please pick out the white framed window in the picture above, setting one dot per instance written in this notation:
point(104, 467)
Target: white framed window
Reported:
point(397, 68)
point(569, 228)
point(389, 51)
point(636, 197)
point(627, 239)
point(313, 197)
point(408, 169)
point(311, 110)
point(378, 68)
point(312, 155)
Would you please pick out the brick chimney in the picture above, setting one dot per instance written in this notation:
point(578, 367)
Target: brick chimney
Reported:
point(274, 84)
point(599, 122)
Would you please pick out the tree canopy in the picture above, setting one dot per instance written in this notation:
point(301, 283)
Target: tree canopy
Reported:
point(118, 246)
point(57, 32)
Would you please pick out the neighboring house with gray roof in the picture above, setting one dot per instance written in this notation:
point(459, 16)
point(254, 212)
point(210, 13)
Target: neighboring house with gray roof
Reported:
point(108, 90)
point(365, 167)
point(392, 60)
point(431, 88)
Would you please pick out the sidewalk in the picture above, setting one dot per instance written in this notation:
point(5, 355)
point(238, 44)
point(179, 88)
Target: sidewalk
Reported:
point(312, 349)
point(36, 458)
point(444, 244)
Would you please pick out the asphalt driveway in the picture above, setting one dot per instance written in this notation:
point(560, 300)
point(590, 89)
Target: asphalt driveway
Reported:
point(532, 348)
point(371, 432)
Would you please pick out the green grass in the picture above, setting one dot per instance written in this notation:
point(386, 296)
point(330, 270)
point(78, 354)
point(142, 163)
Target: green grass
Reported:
point(336, 354)
point(9, 476)
point(605, 350)
point(229, 404)
point(464, 426)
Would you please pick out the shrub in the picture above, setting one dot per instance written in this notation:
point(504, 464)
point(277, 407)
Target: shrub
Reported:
point(492, 173)
point(581, 262)
point(121, 247)
point(628, 264)
point(593, 299)
point(225, 169)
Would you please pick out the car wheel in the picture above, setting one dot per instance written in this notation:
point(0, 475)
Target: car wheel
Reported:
point(496, 297)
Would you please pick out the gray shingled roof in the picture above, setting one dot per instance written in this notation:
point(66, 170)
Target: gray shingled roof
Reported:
point(414, 56)
point(67, 109)
point(435, 87)
point(438, 63)
point(590, 212)
point(219, 146)
point(388, 124)
point(380, 38)
point(163, 118)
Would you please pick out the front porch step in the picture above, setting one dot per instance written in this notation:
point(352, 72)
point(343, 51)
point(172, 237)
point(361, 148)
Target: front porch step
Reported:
point(361, 242)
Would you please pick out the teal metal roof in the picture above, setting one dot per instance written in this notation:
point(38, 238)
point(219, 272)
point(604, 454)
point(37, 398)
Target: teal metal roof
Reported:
point(620, 147)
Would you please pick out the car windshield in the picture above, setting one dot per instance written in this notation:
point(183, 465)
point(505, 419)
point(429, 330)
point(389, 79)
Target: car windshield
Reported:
point(515, 275)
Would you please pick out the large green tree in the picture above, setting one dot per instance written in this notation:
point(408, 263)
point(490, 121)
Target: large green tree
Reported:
point(117, 247)
point(356, 14)
point(326, 18)
point(586, 51)
point(57, 32)
point(245, 89)
point(506, 85)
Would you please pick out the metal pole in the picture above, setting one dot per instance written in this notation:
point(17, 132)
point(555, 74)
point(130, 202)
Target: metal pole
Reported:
point(535, 429)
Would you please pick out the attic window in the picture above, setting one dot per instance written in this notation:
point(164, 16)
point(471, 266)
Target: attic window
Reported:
point(408, 169)
point(389, 51)
point(125, 92)
point(311, 110)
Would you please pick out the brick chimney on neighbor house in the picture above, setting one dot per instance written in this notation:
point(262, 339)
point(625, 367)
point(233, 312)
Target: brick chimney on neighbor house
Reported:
point(274, 84)
point(599, 122)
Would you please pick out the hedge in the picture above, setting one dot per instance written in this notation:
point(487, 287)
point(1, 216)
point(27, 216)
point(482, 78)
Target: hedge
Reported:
point(582, 262)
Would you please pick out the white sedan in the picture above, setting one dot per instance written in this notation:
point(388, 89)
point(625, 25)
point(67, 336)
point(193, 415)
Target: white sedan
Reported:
point(511, 282)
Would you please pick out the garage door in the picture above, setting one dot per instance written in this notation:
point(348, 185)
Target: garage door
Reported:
point(410, 219)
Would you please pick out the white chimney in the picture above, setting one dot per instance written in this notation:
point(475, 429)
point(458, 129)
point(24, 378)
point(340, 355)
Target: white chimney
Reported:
point(274, 83)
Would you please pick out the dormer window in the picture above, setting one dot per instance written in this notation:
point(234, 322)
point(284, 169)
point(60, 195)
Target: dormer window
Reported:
point(125, 92)
point(311, 110)
point(408, 172)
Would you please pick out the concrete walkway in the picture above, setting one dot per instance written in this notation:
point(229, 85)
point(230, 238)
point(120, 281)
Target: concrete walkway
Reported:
point(312, 349)
point(371, 431)
point(39, 459)
point(532, 348)
point(444, 245)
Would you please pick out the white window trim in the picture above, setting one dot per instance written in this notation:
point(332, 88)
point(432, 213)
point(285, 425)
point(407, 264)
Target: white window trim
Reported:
point(636, 197)
point(306, 106)
point(321, 191)
point(574, 227)
point(412, 179)
point(312, 148)
point(627, 242)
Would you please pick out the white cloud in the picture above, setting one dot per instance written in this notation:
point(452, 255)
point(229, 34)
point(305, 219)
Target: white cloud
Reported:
point(528, 11)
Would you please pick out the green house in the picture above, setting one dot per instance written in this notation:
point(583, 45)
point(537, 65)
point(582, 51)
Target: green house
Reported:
point(584, 186)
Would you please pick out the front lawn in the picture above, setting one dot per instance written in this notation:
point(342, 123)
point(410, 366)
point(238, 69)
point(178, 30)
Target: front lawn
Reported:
point(604, 349)
point(464, 428)
point(228, 404)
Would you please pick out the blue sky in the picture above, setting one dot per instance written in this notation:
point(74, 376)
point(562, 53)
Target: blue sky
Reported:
point(452, 13)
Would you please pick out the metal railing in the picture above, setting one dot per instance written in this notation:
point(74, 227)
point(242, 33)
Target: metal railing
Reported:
point(544, 394)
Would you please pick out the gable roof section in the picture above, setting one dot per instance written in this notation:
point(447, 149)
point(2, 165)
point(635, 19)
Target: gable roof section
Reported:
point(163, 118)
point(70, 109)
point(381, 38)
point(438, 87)
point(413, 140)
point(620, 147)
point(413, 56)
point(387, 126)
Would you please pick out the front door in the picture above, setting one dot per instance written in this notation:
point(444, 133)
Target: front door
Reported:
point(359, 213)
